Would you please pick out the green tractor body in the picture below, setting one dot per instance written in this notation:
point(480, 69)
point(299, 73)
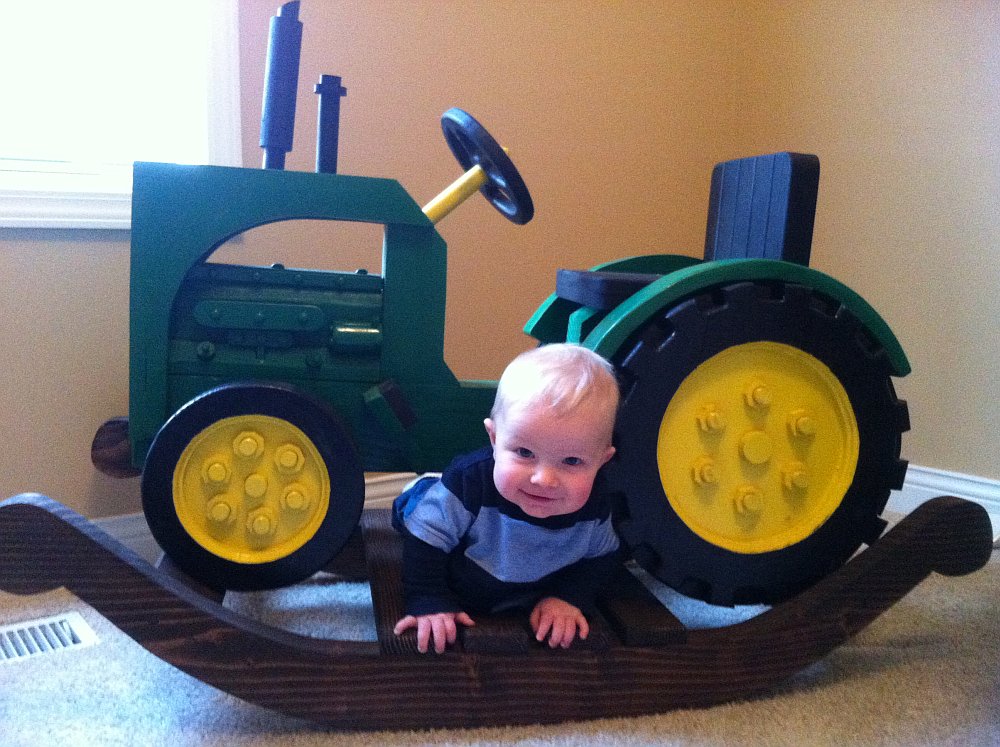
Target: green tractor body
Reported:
point(758, 439)
point(369, 345)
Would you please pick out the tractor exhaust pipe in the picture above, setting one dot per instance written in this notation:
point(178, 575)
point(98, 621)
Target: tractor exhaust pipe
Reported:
point(281, 76)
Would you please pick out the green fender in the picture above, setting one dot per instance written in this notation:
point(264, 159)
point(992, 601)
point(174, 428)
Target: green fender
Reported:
point(551, 320)
point(615, 328)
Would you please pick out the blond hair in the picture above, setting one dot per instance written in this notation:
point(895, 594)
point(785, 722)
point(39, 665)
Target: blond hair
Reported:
point(560, 377)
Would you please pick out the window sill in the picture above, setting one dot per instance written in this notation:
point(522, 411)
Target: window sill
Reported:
point(40, 194)
point(94, 210)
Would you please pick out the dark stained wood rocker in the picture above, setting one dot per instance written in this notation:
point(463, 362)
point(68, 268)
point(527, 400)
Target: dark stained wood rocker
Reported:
point(640, 658)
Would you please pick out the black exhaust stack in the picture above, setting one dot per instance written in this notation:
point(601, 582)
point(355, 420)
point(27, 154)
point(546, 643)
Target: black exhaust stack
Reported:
point(281, 78)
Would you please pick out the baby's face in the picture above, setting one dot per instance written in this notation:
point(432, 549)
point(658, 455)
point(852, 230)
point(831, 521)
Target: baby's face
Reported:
point(546, 464)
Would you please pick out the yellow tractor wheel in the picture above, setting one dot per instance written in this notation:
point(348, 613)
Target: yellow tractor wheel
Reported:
point(252, 486)
point(758, 440)
point(757, 447)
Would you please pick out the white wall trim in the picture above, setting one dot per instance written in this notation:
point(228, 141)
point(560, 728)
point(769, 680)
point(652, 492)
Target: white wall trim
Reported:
point(382, 487)
point(924, 483)
point(53, 209)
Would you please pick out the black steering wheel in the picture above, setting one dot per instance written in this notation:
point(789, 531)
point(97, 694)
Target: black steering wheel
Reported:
point(472, 146)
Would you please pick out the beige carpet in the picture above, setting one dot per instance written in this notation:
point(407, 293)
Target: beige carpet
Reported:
point(926, 673)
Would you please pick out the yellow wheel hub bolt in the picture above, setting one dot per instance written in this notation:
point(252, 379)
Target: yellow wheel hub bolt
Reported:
point(255, 486)
point(703, 471)
point(248, 445)
point(220, 510)
point(289, 458)
point(757, 395)
point(756, 447)
point(295, 499)
point(801, 424)
point(748, 500)
point(261, 523)
point(711, 420)
point(795, 476)
point(217, 472)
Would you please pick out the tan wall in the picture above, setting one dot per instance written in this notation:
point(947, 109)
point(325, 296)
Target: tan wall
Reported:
point(615, 113)
point(64, 363)
point(901, 100)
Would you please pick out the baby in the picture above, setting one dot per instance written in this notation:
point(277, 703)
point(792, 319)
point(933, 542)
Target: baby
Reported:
point(518, 525)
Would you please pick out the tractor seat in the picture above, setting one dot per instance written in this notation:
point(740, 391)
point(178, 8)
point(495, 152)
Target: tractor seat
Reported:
point(599, 289)
point(761, 207)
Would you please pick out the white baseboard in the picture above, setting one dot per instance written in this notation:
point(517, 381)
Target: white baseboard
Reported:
point(921, 484)
point(382, 487)
point(924, 483)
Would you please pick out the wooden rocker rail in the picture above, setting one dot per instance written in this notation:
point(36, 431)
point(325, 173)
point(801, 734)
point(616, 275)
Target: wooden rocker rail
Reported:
point(385, 685)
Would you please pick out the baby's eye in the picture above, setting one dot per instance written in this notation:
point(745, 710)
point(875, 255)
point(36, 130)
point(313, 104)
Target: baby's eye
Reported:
point(523, 452)
point(573, 461)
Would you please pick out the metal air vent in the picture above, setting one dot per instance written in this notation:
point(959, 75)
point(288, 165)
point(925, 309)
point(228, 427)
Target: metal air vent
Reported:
point(30, 639)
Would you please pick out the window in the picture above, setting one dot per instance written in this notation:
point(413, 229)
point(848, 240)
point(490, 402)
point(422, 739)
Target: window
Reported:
point(90, 87)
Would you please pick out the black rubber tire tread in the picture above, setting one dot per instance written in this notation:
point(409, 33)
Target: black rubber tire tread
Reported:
point(311, 415)
point(652, 366)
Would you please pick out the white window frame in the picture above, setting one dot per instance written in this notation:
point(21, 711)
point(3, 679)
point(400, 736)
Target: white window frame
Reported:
point(84, 196)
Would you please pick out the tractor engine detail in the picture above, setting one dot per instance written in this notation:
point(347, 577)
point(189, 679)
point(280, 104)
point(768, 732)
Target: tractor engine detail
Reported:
point(294, 323)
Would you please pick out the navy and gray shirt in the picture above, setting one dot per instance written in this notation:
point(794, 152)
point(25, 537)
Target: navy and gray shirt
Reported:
point(468, 548)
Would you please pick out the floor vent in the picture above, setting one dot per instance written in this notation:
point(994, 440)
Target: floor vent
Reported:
point(27, 640)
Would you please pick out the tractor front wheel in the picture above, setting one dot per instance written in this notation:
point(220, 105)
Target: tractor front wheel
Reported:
point(252, 487)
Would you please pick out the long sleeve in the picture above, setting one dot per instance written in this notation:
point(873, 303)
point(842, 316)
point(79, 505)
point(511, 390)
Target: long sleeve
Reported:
point(425, 579)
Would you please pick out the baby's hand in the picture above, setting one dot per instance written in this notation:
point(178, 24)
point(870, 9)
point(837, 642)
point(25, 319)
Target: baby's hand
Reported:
point(559, 620)
point(441, 627)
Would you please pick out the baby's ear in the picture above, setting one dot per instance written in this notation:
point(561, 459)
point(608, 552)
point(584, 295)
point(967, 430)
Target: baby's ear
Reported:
point(491, 428)
point(608, 454)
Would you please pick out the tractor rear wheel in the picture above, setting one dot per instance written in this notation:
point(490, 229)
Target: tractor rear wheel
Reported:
point(758, 439)
point(252, 487)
